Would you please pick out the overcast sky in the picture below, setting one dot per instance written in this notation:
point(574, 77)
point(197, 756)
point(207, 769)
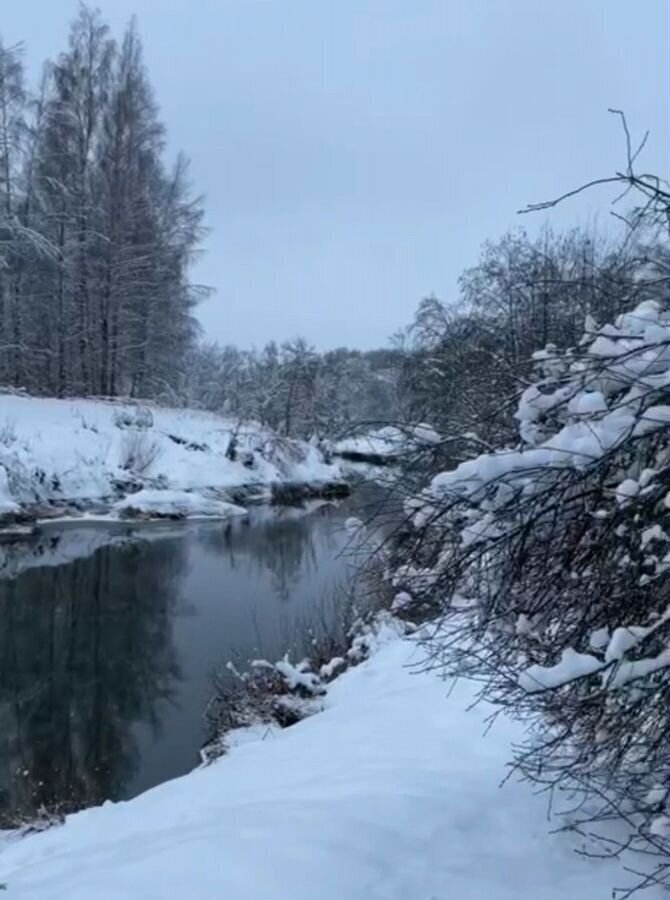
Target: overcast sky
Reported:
point(354, 154)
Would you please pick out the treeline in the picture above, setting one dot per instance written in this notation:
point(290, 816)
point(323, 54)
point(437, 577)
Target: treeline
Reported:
point(96, 230)
point(465, 362)
point(295, 390)
point(459, 365)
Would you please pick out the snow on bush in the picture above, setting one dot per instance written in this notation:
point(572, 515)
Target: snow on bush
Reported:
point(401, 601)
point(563, 540)
point(7, 432)
point(133, 417)
point(283, 693)
point(7, 504)
point(139, 451)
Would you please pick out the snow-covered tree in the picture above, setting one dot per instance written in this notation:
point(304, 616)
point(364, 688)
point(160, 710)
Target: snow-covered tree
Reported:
point(546, 562)
point(96, 232)
point(295, 390)
point(463, 360)
point(549, 562)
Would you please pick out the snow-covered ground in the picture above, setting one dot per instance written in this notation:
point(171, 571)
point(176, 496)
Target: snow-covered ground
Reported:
point(391, 793)
point(169, 460)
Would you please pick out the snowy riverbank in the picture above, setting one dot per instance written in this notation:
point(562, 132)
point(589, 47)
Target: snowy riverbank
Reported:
point(391, 793)
point(117, 459)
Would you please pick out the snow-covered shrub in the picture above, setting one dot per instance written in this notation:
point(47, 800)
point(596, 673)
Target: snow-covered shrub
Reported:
point(20, 483)
point(344, 628)
point(282, 451)
point(266, 693)
point(7, 432)
point(139, 451)
point(550, 564)
point(134, 417)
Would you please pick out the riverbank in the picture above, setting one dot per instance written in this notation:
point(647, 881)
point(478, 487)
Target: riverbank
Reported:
point(391, 792)
point(113, 459)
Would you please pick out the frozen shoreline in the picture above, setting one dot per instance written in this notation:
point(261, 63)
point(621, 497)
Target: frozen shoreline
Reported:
point(119, 460)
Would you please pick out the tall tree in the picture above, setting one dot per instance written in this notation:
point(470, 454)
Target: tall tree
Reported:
point(96, 233)
point(12, 132)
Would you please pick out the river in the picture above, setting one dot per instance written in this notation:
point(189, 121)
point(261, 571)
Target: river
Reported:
point(108, 643)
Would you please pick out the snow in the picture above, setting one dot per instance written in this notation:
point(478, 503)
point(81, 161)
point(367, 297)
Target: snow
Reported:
point(353, 524)
point(391, 793)
point(575, 665)
point(383, 442)
point(639, 668)
point(524, 626)
point(401, 601)
point(572, 665)
point(660, 826)
point(623, 640)
point(599, 639)
point(298, 676)
point(180, 504)
point(330, 669)
point(629, 636)
point(652, 533)
point(390, 441)
point(628, 489)
point(480, 530)
point(7, 504)
point(657, 795)
point(95, 451)
point(587, 403)
point(425, 434)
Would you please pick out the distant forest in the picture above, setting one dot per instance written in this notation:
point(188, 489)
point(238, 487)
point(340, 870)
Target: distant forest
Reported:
point(458, 365)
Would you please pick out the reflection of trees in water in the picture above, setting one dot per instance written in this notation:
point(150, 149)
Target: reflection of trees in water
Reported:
point(286, 547)
point(85, 652)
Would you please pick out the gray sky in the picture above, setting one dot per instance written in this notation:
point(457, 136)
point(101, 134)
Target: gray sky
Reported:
point(355, 153)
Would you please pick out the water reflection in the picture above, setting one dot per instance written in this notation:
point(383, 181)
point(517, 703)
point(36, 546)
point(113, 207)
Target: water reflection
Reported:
point(285, 544)
point(106, 659)
point(85, 650)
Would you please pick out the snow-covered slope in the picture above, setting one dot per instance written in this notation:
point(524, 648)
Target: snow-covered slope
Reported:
point(91, 450)
point(391, 793)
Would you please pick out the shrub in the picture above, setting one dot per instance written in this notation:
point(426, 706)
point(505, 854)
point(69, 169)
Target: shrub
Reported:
point(134, 417)
point(341, 632)
point(7, 432)
point(139, 452)
point(549, 563)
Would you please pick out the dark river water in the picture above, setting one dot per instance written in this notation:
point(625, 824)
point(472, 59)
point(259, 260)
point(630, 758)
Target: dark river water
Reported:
point(107, 648)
